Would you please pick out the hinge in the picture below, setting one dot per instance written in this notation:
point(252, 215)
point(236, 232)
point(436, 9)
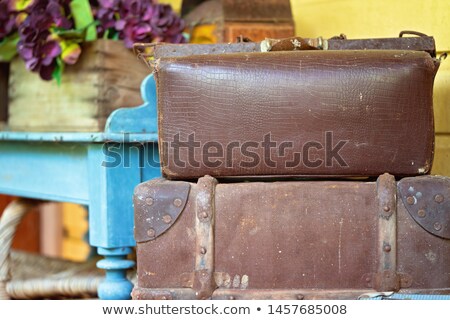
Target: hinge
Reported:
point(158, 203)
point(427, 200)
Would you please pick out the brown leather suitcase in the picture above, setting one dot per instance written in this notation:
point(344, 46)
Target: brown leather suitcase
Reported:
point(292, 239)
point(296, 113)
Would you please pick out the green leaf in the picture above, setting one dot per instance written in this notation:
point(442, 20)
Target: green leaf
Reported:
point(57, 73)
point(20, 5)
point(8, 47)
point(115, 36)
point(106, 34)
point(83, 17)
point(111, 34)
point(73, 35)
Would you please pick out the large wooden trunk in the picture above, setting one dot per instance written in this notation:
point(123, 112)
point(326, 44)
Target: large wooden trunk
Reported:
point(257, 19)
point(277, 240)
point(106, 77)
point(226, 20)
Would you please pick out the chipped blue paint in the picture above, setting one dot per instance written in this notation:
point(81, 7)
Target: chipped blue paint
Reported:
point(140, 119)
point(83, 168)
point(405, 296)
point(94, 137)
point(116, 285)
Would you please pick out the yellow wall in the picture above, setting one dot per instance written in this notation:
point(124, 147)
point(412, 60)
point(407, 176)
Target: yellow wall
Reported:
point(368, 18)
point(373, 18)
point(176, 4)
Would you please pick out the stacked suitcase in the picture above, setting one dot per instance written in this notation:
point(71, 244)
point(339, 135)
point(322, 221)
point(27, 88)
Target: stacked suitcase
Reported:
point(299, 172)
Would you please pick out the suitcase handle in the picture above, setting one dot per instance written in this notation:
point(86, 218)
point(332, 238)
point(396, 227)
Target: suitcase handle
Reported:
point(146, 51)
point(415, 33)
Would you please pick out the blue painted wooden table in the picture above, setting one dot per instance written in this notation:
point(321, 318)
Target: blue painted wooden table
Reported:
point(99, 170)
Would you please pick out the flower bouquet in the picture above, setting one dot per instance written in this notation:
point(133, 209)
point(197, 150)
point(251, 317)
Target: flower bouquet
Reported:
point(83, 45)
point(47, 33)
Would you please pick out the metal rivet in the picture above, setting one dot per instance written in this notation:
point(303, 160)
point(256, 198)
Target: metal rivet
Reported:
point(421, 213)
point(300, 297)
point(387, 248)
point(437, 226)
point(177, 202)
point(167, 218)
point(203, 215)
point(203, 250)
point(149, 201)
point(410, 200)
point(151, 232)
point(439, 198)
point(368, 279)
point(386, 208)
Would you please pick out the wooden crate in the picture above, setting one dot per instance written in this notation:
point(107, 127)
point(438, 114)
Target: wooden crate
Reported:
point(257, 31)
point(4, 75)
point(257, 19)
point(106, 77)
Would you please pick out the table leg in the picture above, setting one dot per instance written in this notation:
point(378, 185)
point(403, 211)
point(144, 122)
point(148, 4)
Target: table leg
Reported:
point(111, 185)
point(116, 286)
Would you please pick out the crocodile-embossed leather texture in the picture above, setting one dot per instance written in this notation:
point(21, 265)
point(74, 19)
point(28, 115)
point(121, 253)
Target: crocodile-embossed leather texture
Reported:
point(346, 113)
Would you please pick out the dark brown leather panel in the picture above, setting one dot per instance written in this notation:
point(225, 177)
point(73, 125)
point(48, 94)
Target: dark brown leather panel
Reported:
point(288, 235)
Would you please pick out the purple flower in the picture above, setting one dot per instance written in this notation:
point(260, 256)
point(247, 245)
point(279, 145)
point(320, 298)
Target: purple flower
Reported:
point(106, 12)
point(37, 47)
point(40, 56)
point(139, 21)
point(167, 26)
point(57, 12)
point(7, 19)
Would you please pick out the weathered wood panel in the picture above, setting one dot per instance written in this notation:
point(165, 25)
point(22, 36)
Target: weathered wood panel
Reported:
point(4, 75)
point(106, 77)
point(257, 31)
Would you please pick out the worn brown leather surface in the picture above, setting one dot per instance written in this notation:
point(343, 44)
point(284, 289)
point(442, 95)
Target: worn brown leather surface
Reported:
point(303, 235)
point(378, 103)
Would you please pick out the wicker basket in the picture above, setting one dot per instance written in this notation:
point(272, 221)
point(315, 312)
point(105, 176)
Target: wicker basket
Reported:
point(31, 276)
